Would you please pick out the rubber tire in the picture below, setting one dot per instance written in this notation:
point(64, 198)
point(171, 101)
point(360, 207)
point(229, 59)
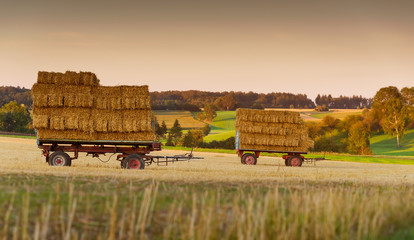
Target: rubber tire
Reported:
point(246, 155)
point(65, 156)
point(242, 160)
point(134, 157)
point(287, 162)
point(293, 157)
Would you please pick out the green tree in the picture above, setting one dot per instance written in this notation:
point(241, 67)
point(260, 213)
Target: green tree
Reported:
point(163, 129)
point(176, 132)
point(159, 131)
point(188, 140)
point(169, 141)
point(193, 138)
point(14, 118)
point(393, 110)
point(329, 123)
point(358, 139)
point(209, 112)
point(206, 129)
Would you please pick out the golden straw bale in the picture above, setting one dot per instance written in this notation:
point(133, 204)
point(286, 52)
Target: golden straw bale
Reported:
point(59, 78)
point(72, 78)
point(112, 136)
point(128, 91)
point(115, 123)
point(44, 134)
point(85, 124)
point(40, 121)
point(40, 100)
point(55, 100)
point(140, 136)
point(57, 123)
point(62, 111)
point(100, 124)
point(72, 122)
point(44, 77)
point(88, 79)
point(115, 103)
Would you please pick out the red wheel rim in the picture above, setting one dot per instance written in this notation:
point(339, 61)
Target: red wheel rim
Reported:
point(134, 164)
point(249, 160)
point(294, 162)
point(59, 161)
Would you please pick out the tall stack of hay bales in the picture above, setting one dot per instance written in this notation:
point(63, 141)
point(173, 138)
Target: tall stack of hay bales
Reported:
point(74, 106)
point(272, 130)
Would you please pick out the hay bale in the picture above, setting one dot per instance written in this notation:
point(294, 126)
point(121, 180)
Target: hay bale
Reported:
point(54, 100)
point(88, 79)
point(44, 77)
point(107, 97)
point(49, 134)
point(72, 78)
point(72, 122)
point(40, 100)
point(57, 123)
point(140, 136)
point(269, 116)
point(40, 121)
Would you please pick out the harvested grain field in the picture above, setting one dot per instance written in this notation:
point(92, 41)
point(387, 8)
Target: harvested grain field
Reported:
point(23, 156)
point(217, 197)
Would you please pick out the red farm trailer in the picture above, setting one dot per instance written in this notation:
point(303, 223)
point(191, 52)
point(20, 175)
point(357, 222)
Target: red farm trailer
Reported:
point(293, 159)
point(131, 154)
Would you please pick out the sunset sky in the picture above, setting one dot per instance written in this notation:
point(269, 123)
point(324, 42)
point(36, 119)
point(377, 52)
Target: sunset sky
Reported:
point(298, 46)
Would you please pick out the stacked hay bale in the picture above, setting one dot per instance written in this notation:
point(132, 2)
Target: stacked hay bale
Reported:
point(74, 106)
point(272, 130)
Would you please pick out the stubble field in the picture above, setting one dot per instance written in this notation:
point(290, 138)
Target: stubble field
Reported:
point(202, 199)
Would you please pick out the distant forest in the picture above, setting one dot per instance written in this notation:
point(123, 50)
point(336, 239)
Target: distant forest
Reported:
point(193, 100)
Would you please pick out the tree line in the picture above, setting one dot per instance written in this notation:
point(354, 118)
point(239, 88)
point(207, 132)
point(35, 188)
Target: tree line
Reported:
point(343, 102)
point(193, 100)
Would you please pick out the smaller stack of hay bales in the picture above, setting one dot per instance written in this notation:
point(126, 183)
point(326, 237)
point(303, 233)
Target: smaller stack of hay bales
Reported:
point(73, 106)
point(272, 130)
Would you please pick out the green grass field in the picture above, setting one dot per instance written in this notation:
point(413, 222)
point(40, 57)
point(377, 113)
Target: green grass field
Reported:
point(386, 145)
point(222, 126)
point(336, 114)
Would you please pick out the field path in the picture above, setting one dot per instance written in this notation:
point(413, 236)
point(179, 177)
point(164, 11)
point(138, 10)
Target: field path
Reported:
point(21, 156)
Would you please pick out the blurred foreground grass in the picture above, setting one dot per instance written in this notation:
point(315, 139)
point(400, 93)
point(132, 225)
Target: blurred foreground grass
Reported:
point(51, 207)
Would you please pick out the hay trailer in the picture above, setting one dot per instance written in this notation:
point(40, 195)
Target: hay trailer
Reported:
point(131, 154)
point(292, 158)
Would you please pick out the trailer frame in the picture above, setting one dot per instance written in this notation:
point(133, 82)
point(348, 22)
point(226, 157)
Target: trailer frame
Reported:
point(131, 154)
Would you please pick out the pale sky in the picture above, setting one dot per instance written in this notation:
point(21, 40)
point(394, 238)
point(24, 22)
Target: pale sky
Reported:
point(298, 46)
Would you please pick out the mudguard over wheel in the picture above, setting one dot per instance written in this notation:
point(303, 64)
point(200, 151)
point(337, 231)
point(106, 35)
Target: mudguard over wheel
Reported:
point(249, 159)
point(295, 161)
point(60, 159)
point(133, 161)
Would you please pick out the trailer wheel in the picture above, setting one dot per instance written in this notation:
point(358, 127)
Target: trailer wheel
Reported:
point(60, 159)
point(242, 160)
point(249, 159)
point(287, 162)
point(134, 161)
point(295, 161)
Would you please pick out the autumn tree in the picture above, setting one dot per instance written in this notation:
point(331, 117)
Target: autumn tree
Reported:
point(358, 139)
point(209, 112)
point(408, 95)
point(15, 118)
point(393, 111)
